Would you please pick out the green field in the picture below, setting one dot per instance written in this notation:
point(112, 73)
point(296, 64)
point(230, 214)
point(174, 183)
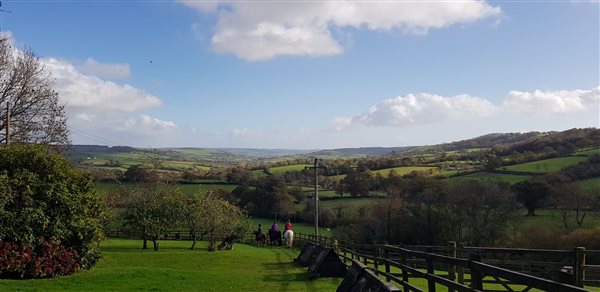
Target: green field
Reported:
point(349, 202)
point(588, 152)
point(288, 168)
point(402, 170)
point(489, 177)
point(550, 218)
point(105, 187)
point(126, 267)
point(592, 184)
point(297, 227)
point(546, 165)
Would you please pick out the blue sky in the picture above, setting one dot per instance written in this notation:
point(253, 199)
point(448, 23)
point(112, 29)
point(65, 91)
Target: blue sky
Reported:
point(314, 74)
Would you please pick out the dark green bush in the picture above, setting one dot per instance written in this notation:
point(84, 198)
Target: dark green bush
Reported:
point(43, 196)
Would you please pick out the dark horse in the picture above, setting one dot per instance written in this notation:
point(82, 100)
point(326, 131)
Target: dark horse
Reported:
point(275, 237)
point(261, 238)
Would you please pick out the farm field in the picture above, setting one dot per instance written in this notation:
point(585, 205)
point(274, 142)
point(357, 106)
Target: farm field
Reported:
point(288, 168)
point(126, 267)
point(592, 184)
point(105, 187)
point(489, 177)
point(402, 170)
point(588, 152)
point(546, 165)
point(349, 202)
point(550, 218)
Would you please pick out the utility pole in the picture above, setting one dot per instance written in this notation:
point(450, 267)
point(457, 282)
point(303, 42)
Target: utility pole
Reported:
point(7, 123)
point(316, 195)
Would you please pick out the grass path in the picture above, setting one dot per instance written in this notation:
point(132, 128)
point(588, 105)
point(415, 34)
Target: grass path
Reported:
point(125, 267)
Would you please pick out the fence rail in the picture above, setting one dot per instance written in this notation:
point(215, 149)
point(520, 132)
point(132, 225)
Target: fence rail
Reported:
point(445, 266)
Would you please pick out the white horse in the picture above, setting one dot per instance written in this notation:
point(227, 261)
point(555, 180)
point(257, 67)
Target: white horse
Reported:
point(288, 235)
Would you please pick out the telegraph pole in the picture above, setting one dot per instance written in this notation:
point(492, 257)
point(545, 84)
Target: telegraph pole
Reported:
point(316, 195)
point(7, 123)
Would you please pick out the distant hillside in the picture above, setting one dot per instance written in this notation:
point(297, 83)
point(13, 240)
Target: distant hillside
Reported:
point(265, 153)
point(363, 151)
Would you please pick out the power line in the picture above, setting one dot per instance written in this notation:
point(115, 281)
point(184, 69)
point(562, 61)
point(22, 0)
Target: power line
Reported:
point(95, 137)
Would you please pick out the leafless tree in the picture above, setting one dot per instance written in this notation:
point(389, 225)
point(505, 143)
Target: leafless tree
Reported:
point(37, 115)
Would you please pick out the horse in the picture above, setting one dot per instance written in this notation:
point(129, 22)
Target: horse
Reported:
point(288, 235)
point(261, 238)
point(275, 237)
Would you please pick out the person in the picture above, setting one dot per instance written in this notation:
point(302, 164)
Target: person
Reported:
point(288, 234)
point(259, 231)
point(288, 225)
point(275, 234)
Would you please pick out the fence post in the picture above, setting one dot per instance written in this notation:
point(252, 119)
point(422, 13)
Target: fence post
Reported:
point(579, 269)
point(460, 269)
point(404, 272)
point(364, 252)
point(476, 276)
point(452, 268)
point(375, 256)
point(430, 270)
point(129, 233)
point(386, 256)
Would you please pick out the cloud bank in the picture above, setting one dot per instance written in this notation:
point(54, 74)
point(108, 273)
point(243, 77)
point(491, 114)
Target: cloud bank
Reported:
point(262, 30)
point(425, 108)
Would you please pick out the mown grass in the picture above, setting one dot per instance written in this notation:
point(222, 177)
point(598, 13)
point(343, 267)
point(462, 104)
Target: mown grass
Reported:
point(546, 165)
point(489, 177)
point(126, 267)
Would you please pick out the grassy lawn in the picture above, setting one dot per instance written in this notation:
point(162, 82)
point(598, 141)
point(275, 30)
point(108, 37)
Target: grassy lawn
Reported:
point(489, 177)
point(546, 165)
point(105, 187)
point(288, 168)
point(125, 267)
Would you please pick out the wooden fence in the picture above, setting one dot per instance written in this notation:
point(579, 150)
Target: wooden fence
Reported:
point(445, 266)
point(129, 233)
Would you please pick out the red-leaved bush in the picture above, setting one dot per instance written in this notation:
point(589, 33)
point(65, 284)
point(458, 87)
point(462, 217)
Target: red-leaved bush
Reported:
point(47, 259)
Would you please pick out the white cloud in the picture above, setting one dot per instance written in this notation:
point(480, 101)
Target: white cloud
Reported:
point(421, 108)
point(85, 93)
point(244, 132)
point(145, 123)
point(104, 70)
point(262, 30)
point(552, 102)
point(85, 117)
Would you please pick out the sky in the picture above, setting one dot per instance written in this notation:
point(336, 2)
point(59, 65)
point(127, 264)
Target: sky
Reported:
point(313, 74)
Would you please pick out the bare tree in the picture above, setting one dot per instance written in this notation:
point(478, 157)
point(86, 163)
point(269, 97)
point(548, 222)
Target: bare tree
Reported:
point(37, 116)
point(573, 204)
